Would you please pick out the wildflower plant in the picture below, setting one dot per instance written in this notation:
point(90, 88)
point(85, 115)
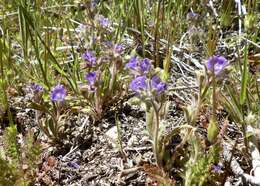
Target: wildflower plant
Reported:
point(216, 66)
point(102, 84)
point(78, 44)
point(151, 90)
point(214, 72)
point(52, 124)
point(201, 165)
point(201, 158)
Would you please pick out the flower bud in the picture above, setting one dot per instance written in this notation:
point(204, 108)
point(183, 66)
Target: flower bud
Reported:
point(212, 131)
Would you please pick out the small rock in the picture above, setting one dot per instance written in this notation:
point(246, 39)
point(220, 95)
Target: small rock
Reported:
point(112, 134)
point(133, 141)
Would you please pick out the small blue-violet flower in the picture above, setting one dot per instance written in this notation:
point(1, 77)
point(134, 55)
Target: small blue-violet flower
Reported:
point(132, 64)
point(158, 85)
point(81, 28)
point(118, 48)
point(217, 168)
point(36, 88)
point(217, 64)
point(103, 21)
point(58, 93)
point(93, 4)
point(145, 65)
point(89, 57)
point(138, 84)
point(192, 15)
point(91, 78)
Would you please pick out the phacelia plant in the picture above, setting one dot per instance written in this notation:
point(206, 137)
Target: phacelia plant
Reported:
point(102, 84)
point(151, 90)
point(51, 125)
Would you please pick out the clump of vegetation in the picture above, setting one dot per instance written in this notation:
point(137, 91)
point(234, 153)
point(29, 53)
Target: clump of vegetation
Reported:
point(197, 60)
point(19, 162)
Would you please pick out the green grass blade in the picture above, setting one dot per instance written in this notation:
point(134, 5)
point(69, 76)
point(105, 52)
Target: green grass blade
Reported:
point(244, 80)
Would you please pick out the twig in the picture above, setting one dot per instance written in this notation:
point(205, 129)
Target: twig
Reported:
point(138, 148)
point(57, 29)
point(66, 48)
point(70, 152)
point(251, 42)
point(126, 172)
point(183, 88)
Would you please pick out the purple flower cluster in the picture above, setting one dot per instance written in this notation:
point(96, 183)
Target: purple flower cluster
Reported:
point(139, 66)
point(145, 65)
point(89, 57)
point(91, 77)
point(158, 85)
point(141, 83)
point(217, 64)
point(138, 84)
point(58, 93)
point(132, 64)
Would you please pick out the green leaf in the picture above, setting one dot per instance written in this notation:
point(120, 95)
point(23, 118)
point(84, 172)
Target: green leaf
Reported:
point(166, 67)
point(149, 118)
point(52, 126)
point(244, 78)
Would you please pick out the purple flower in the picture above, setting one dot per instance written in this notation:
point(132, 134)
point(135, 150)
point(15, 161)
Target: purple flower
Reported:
point(93, 4)
point(138, 84)
point(58, 93)
point(36, 88)
point(103, 21)
point(145, 65)
point(158, 85)
point(217, 64)
point(118, 48)
point(132, 64)
point(192, 15)
point(91, 78)
point(139, 66)
point(89, 57)
point(81, 28)
point(217, 168)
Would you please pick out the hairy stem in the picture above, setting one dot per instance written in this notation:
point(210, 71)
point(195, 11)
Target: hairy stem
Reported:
point(155, 134)
point(214, 101)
